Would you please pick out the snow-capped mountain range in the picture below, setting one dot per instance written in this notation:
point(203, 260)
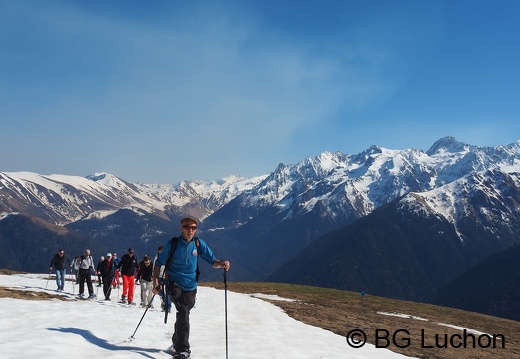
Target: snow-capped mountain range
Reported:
point(266, 221)
point(348, 186)
point(64, 199)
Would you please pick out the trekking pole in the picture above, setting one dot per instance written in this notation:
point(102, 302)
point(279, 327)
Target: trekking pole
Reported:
point(225, 305)
point(74, 279)
point(147, 307)
point(48, 279)
point(166, 302)
point(109, 287)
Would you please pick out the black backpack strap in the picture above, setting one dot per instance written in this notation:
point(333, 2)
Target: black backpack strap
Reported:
point(173, 247)
point(165, 281)
point(197, 272)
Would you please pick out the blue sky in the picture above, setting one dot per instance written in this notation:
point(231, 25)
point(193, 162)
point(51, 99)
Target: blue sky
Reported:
point(161, 91)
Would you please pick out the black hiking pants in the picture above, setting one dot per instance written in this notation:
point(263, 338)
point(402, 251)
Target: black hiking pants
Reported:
point(183, 301)
point(107, 286)
point(84, 275)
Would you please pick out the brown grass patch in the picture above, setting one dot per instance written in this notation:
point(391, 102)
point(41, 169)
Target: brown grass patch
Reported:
point(27, 295)
point(9, 272)
point(24, 294)
point(342, 311)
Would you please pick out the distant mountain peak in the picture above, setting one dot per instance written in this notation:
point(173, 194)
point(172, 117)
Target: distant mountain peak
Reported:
point(98, 176)
point(449, 144)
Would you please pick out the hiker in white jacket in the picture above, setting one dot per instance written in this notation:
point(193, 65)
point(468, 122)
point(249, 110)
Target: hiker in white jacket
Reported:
point(86, 264)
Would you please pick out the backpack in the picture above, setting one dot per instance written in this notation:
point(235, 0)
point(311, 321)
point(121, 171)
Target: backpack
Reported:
point(170, 257)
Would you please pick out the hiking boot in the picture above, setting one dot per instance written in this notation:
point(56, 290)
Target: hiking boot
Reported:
point(170, 350)
point(181, 355)
point(163, 308)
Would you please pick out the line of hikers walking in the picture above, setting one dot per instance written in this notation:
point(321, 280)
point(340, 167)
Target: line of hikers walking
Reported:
point(110, 271)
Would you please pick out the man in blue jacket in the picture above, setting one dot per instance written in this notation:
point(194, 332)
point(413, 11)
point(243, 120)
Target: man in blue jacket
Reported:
point(181, 278)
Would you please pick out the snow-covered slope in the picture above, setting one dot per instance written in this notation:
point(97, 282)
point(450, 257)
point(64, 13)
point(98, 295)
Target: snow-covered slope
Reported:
point(100, 329)
point(489, 198)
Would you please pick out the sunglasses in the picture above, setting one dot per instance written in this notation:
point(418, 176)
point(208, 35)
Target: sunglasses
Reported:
point(193, 228)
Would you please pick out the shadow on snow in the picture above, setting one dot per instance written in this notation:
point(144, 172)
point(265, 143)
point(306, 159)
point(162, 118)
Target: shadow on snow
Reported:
point(103, 343)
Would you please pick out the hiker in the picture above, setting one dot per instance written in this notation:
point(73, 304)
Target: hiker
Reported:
point(75, 268)
point(101, 260)
point(159, 250)
point(127, 267)
point(137, 275)
point(86, 264)
point(116, 261)
point(166, 303)
point(145, 275)
point(106, 270)
point(58, 263)
point(180, 256)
